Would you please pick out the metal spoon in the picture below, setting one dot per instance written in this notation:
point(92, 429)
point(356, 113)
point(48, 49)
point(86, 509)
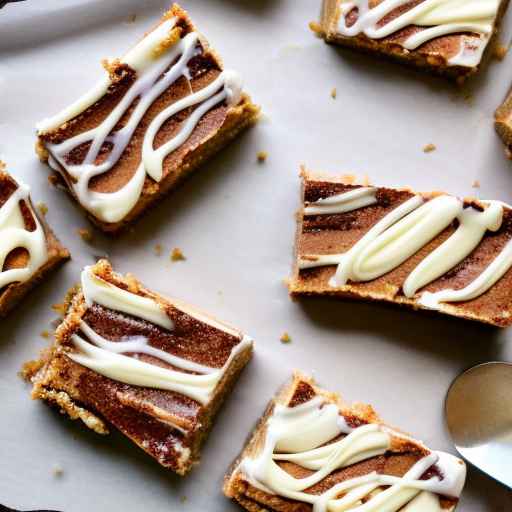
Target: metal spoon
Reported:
point(478, 411)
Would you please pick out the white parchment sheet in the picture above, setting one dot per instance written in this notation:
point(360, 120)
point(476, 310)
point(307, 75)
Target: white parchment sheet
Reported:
point(234, 221)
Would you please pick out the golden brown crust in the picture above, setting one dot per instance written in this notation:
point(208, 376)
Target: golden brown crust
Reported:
point(430, 57)
point(215, 130)
point(237, 487)
point(503, 122)
point(12, 294)
point(493, 307)
point(148, 417)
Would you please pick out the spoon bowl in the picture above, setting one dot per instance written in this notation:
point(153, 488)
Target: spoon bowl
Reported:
point(478, 411)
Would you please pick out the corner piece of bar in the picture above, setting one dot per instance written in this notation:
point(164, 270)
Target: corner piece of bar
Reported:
point(313, 451)
point(28, 247)
point(161, 111)
point(152, 367)
point(429, 251)
point(503, 123)
point(446, 37)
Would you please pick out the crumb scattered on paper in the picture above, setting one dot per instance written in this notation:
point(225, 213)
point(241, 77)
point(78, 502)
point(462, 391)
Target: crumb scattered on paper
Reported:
point(428, 148)
point(45, 334)
point(158, 249)
point(43, 209)
point(177, 255)
point(315, 27)
point(59, 308)
point(334, 93)
point(131, 19)
point(57, 470)
point(475, 184)
point(261, 156)
point(85, 234)
point(285, 338)
point(500, 51)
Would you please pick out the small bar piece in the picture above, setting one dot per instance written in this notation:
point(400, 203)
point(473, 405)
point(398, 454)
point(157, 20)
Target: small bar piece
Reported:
point(311, 451)
point(447, 37)
point(161, 111)
point(427, 251)
point(28, 248)
point(154, 368)
point(503, 123)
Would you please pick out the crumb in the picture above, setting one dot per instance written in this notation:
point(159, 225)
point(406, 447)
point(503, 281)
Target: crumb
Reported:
point(316, 28)
point(133, 284)
point(172, 38)
point(177, 255)
point(57, 470)
point(500, 51)
point(334, 93)
point(429, 148)
point(475, 184)
point(183, 499)
point(60, 308)
point(285, 338)
point(43, 209)
point(131, 19)
point(2, 166)
point(85, 234)
point(45, 334)
point(468, 98)
point(261, 156)
point(158, 249)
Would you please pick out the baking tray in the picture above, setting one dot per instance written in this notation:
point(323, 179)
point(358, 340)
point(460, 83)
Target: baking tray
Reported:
point(234, 222)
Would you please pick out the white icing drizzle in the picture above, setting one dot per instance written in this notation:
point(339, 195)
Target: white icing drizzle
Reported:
point(15, 235)
point(439, 17)
point(298, 435)
point(153, 78)
point(98, 291)
point(109, 358)
point(404, 231)
point(341, 203)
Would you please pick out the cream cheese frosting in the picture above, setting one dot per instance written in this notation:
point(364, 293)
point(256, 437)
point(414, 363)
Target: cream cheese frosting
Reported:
point(14, 234)
point(436, 17)
point(306, 435)
point(109, 358)
point(404, 231)
point(155, 74)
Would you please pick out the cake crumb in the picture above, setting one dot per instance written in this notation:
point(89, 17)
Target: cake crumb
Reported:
point(285, 338)
point(428, 148)
point(45, 334)
point(475, 184)
point(85, 234)
point(334, 93)
point(500, 52)
point(158, 249)
point(57, 471)
point(261, 156)
point(60, 308)
point(43, 209)
point(131, 19)
point(177, 255)
point(316, 28)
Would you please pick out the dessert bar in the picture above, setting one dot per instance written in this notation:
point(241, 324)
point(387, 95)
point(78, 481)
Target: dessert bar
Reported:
point(447, 37)
point(503, 123)
point(152, 367)
point(311, 451)
point(159, 112)
point(28, 248)
point(424, 250)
